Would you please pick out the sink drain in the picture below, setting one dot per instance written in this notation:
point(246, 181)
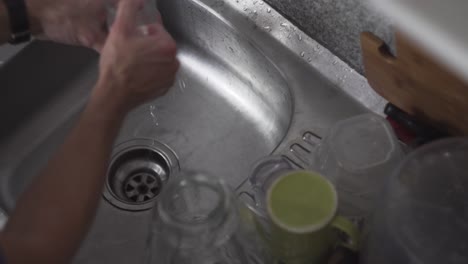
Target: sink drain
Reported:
point(142, 187)
point(139, 170)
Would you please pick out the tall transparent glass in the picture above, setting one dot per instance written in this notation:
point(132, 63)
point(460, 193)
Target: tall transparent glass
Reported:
point(196, 221)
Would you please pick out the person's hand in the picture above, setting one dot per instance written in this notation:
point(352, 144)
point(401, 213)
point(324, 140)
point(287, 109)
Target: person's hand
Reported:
point(76, 22)
point(134, 67)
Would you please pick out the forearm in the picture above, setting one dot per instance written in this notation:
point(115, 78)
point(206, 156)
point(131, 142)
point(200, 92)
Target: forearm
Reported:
point(53, 215)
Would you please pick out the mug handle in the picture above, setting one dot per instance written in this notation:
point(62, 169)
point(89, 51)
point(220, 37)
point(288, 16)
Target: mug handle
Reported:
point(343, 225)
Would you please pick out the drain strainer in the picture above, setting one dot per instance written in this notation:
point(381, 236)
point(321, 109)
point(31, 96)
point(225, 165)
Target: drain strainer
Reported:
point(142, 187)
point(139, 170)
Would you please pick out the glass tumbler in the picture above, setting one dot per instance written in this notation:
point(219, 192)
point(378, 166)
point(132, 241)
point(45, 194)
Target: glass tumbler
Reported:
point(196, 221)
point(357, 155)
point(148, 14)
point(294, 245)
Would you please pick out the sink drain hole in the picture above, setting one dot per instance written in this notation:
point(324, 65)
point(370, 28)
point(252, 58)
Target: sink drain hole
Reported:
point(137, 175)
point(142, 187)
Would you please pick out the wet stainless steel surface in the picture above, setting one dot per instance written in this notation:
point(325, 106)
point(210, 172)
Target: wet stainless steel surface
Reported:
point(251, 84)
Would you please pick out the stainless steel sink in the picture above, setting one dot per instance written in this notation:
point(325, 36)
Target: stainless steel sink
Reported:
point(251, 84)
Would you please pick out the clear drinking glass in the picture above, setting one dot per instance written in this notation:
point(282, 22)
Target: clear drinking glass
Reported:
point(196, 221)
point(282, 245)
point(265, 171)
point(252, 194)
point(423, 213)
point(357, 155)
point(148, 14)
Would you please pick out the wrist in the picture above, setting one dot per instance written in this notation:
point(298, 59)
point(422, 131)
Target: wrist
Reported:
point(105, 105)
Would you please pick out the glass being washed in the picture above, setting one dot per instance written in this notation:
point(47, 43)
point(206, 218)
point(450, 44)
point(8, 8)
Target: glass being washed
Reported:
point(196, 221)
point(148, 14)
point(422, 216)
point(295, 212)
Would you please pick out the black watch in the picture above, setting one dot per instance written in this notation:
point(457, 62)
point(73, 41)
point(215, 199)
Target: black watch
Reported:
point(19, 21)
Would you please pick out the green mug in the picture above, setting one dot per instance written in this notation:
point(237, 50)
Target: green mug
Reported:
point(302, 208)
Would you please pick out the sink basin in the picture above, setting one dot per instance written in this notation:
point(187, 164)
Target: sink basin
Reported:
point(251, 84)
point(230, 105)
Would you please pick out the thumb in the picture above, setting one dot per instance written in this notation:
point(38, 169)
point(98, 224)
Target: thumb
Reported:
point(127, 14)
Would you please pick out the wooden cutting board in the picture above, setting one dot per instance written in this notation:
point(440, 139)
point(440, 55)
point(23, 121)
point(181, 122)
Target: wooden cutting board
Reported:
point(416, 83)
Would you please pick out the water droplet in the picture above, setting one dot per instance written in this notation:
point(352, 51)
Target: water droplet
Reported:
point(302, 54)
point(182, 85)
point(267, 28)
point(283, 24)
point(153, 115)
point(269, 10)
point(299, 37)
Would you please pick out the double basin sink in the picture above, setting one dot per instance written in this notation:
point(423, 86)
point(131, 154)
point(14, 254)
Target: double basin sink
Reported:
point(250, 84)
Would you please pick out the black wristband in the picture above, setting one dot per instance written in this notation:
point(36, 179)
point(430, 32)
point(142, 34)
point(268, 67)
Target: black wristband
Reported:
point(19, 21)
